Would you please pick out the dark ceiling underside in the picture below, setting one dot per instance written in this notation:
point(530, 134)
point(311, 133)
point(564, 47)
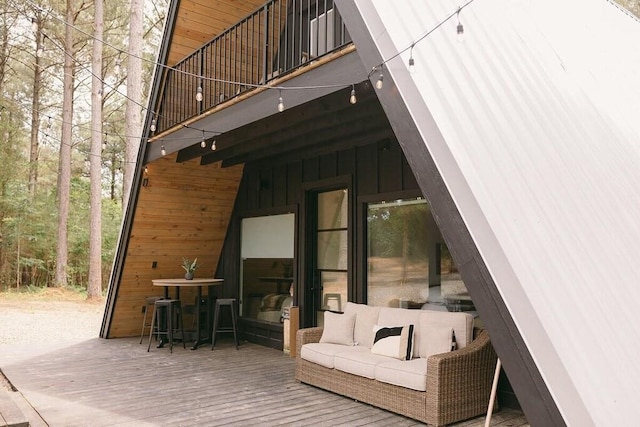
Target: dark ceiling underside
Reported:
point(320, 126)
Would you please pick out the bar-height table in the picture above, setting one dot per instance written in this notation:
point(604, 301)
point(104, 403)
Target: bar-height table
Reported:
point(199, 283)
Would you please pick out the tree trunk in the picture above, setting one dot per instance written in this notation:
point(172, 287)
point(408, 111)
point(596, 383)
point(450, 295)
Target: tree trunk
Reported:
point(64, 168)
point(35, 110)
point(95, 163)
point(133, 127)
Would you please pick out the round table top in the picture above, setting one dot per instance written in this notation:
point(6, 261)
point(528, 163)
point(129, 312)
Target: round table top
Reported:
point(185, 282)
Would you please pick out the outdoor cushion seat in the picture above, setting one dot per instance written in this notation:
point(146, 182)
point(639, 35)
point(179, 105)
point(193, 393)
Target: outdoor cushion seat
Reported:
point(361, 363)
point(324, 353)
point(404, 373)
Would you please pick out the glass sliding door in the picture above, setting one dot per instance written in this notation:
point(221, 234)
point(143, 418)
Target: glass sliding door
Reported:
point(332, 252)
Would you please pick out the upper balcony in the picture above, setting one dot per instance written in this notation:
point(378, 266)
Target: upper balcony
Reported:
point(278, 38)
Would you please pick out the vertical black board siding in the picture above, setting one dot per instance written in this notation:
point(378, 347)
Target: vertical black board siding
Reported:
point(408, 178)
point(251, 185)
point(310, 171)
point(346, 161)
point(294, 178)
point(280, 186)
point(389, 167)
point(328, 165)
point(265, 188)
point(367, 172)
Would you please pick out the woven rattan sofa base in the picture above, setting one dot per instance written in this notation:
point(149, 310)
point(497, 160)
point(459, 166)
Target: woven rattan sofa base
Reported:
point(458, 383)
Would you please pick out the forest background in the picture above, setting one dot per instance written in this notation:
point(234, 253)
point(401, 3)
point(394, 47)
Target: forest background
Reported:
point(74, 79)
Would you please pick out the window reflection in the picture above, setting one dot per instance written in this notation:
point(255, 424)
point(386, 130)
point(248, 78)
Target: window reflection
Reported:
point(408, 264)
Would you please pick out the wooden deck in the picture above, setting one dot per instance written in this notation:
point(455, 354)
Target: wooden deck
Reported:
point(117, 383)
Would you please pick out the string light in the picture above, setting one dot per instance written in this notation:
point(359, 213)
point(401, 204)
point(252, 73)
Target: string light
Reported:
point(199, 93)
point(412, 64)
point(460, 27)
point(379, 83)
point(280, 103)
point(163, 151)
point(199, 96)
point(203, 143)
point(213, 145)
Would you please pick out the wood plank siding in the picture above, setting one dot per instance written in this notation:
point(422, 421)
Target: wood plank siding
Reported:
point(182, 211)
point(199, 21)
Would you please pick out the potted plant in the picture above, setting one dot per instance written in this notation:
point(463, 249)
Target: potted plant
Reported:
point(189, 266)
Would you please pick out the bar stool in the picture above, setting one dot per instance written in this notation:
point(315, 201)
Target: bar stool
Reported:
point(220, 303)
point(149, 303)
point(173, 308)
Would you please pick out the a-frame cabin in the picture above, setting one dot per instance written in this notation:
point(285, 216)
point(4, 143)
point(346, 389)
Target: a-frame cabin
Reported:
point(500, 177)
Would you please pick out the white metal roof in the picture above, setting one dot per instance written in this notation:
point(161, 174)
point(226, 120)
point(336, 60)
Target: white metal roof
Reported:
point(534, 123)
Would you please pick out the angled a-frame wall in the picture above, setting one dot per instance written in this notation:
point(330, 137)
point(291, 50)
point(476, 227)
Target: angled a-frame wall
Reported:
point(526, 146)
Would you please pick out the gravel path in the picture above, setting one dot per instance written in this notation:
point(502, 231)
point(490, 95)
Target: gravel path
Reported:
point(37, 320)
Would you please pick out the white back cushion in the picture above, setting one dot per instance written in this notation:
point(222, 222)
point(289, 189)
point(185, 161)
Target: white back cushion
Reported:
point(462, 324)
point(366, 319)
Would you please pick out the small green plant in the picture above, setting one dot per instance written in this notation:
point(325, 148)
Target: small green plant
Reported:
point(190, 266)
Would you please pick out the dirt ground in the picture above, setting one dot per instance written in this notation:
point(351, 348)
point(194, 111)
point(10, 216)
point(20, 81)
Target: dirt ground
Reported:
point(53, 315)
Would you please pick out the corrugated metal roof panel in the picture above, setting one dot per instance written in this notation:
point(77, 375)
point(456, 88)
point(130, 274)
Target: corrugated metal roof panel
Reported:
point(538, 111)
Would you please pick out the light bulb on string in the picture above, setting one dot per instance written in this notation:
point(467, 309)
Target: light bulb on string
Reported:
point(152, 128)
point(379, 83)
point(203, 143)
point(199, 96)
point(163, 151)
point(352, 98)
point(460, 28)
point(280, 103)
point(213, 145)
point(412, 64)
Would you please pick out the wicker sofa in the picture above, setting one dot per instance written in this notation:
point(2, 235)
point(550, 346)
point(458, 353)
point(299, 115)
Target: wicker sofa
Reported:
point(438, 389)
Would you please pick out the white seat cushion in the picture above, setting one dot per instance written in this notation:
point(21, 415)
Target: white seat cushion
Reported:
point(404, 373)
point(323, 353)
point(358, 362)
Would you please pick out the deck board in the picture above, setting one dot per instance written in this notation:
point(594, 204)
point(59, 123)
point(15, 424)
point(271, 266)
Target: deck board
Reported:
point(117, 382)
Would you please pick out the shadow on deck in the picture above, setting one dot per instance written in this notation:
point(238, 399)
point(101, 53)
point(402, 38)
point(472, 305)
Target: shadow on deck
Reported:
point(116, 382)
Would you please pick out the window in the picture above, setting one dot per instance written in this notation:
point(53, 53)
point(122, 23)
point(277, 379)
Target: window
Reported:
point(267, 266)
point(408, 264)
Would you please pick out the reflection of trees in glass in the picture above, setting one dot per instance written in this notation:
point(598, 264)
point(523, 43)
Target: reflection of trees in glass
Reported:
point(391, 230)
point(446, 261)
point(398, 232)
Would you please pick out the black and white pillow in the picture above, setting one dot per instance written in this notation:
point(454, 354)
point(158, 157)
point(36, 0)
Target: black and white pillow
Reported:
point(393, 341)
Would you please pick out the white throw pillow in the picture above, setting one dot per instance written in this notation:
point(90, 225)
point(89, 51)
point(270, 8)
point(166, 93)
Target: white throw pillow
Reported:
point(393, 341)
point(438, 339)
point(338, 328)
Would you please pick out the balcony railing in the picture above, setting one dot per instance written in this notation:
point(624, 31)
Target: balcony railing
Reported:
point(281, 36)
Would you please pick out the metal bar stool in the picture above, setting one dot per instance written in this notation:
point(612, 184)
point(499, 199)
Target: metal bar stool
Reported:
point(224, 302)
point(173, 309)
point(149, 304)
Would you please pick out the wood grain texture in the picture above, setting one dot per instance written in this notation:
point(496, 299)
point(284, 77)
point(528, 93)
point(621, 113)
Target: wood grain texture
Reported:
point(183, 212)
point(117, 382)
